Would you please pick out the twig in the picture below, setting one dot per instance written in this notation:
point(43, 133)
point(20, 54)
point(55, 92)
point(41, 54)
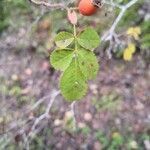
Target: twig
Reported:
point(109, 35)
point(46, 114)
point(112, 3)
point(48, 5)
point(26, 142)
point(54, 95)
point(73, 112)
point(40, 101)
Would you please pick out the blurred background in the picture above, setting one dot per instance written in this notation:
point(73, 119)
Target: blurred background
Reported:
point(114, 115)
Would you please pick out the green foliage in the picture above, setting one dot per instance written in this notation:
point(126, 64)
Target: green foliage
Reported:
point(116, 142)
point(7, 8)
point(70, 125)
point(78, 64)
point(64, 39)
point(89, 39)
point(145, 38)
point(102, 138)
point(131, 15)
point(3, 16)
point(107, 102)
point(61, 58)
point(38, 142)
point(73, 83)
point(132, 18)
point(88, 63)
point(85, 131)
point(15, 90)
point(4, 89)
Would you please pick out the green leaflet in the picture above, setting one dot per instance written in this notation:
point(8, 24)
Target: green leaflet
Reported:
point(88, 63)
point(89, 39)
point(73, 83)
point(64, 39)
point(61, 58)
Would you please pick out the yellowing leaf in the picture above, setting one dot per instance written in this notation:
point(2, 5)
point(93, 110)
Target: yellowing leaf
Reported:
point(127, 55)
point(131, 48)
point(137, 30)
point(128, 52)
point(116, 134)
point(134, 31)
point(133, 145)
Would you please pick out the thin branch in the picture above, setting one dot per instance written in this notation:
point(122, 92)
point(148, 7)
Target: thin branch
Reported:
point(48, 5)
point(26, 142)
point(113, 4)
point(40, 101)
point(54, 95)
point(46, 114)
point(108, 36)
point(73, 112)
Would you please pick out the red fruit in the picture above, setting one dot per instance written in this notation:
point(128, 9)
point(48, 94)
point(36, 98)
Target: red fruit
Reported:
point(87, 8)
